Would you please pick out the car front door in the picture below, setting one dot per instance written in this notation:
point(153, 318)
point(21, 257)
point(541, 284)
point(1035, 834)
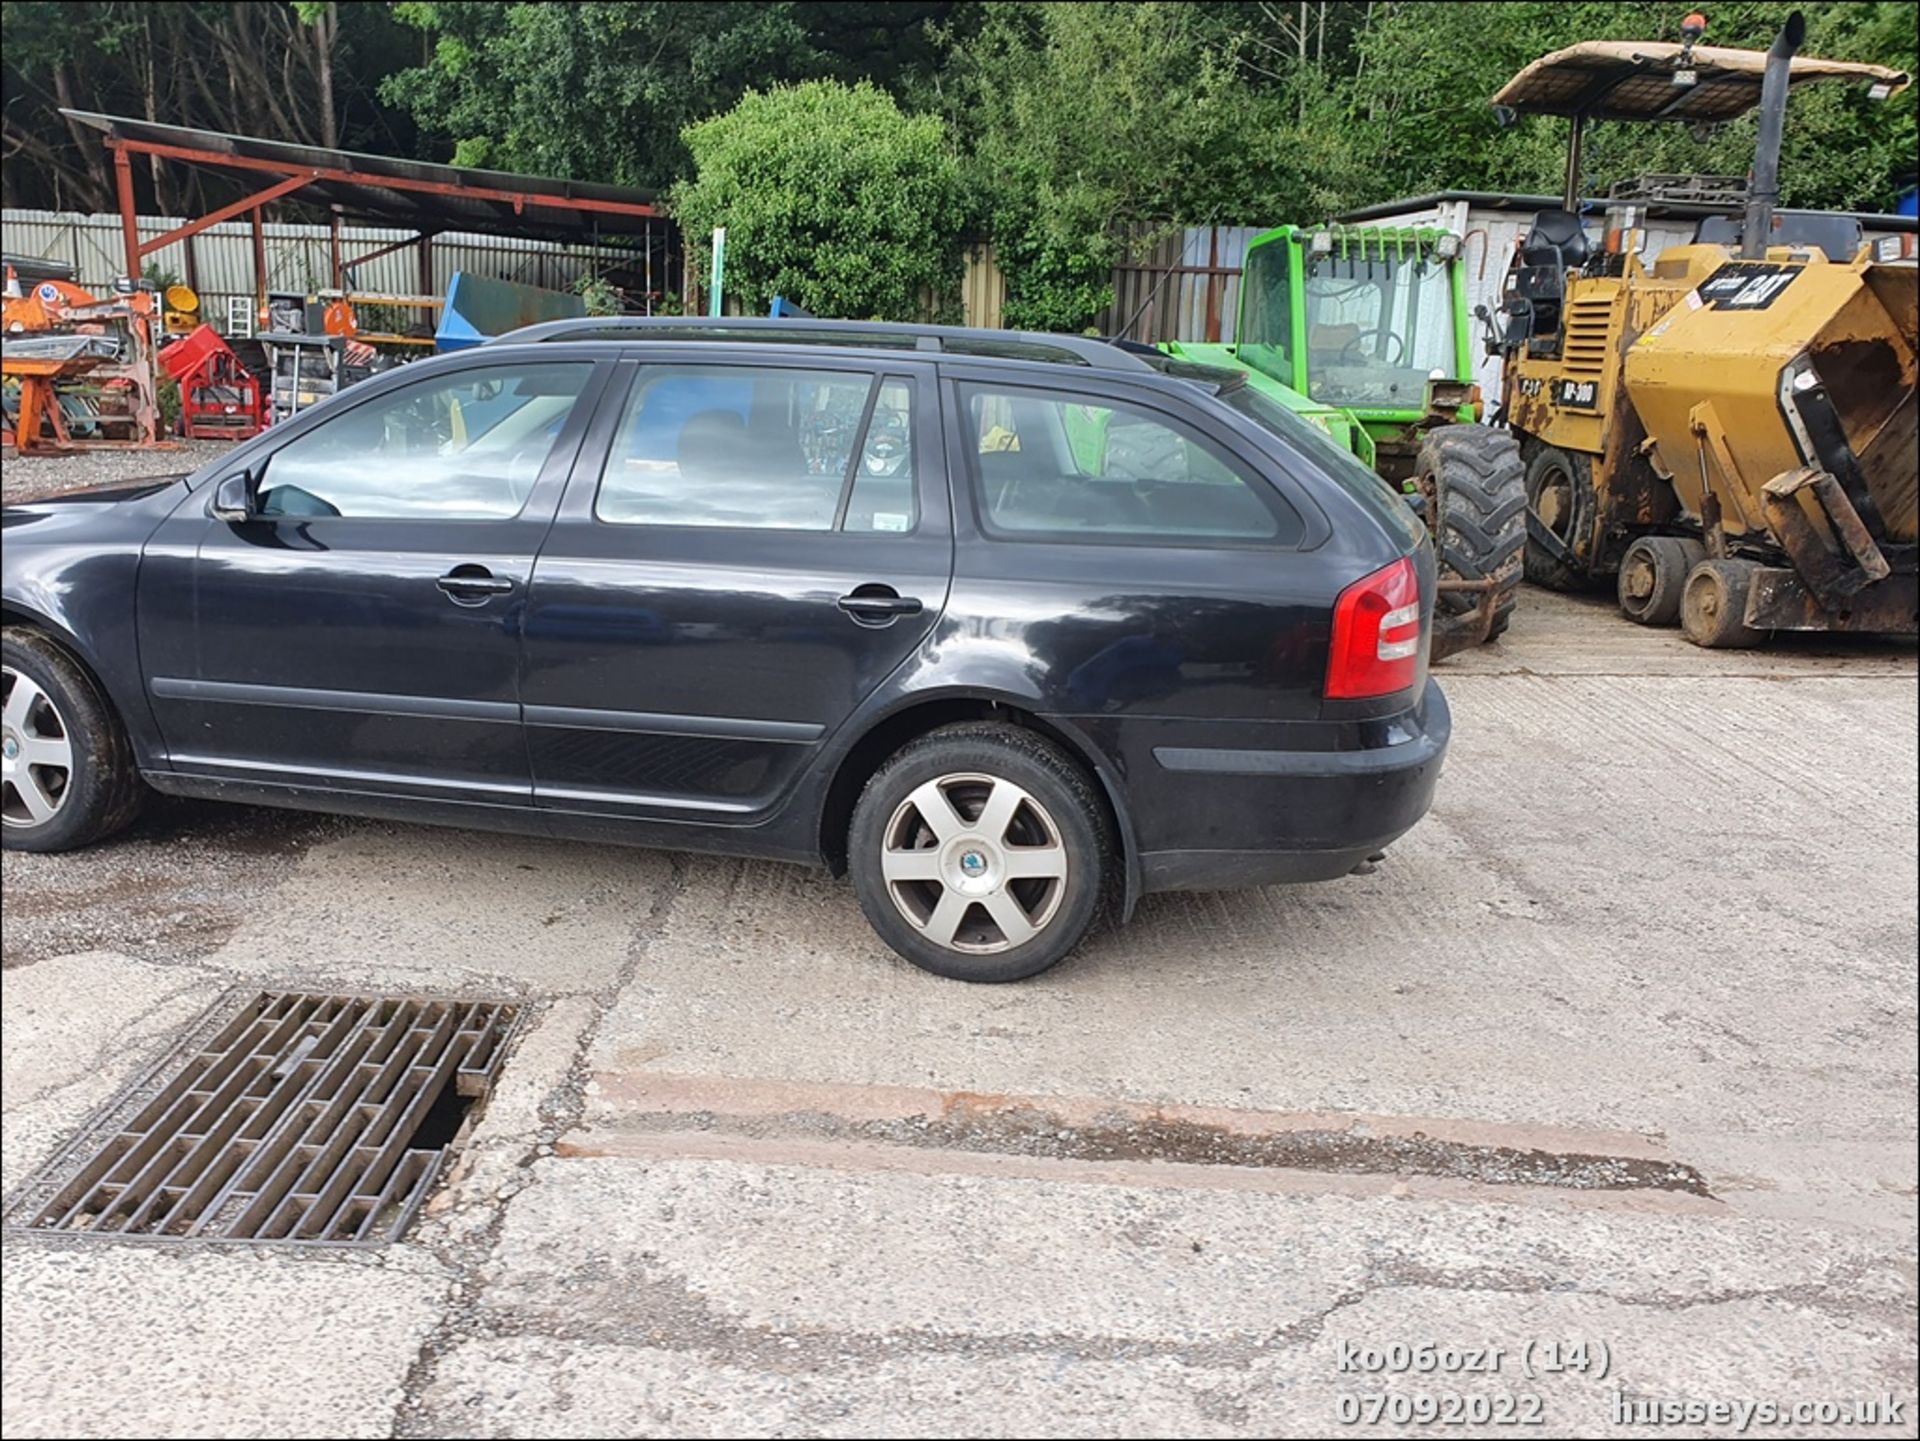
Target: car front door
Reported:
point(745, 552)
point(361, 631)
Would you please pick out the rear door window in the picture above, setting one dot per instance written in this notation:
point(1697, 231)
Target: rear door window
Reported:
point(1052, 465)
point(762, 448)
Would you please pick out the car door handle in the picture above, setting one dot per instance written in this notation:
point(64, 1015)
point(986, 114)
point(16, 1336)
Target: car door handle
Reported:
point(871, 604)
point(472, 584)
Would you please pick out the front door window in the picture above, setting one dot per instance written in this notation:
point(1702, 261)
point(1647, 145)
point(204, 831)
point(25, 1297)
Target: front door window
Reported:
point(467, 446)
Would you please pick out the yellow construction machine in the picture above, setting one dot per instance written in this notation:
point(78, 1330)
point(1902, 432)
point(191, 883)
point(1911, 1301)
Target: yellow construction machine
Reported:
point(1729, 426)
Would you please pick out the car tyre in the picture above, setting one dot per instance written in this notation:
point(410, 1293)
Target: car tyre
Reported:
point(981, 852)
point(71, 778)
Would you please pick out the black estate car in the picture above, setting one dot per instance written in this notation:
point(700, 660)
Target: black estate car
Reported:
point(1012, 628)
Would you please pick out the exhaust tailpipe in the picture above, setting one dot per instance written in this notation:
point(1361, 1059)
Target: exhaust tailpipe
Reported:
point(1763, 187)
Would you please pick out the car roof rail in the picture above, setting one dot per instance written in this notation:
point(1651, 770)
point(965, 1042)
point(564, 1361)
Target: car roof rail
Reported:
point(959, 340)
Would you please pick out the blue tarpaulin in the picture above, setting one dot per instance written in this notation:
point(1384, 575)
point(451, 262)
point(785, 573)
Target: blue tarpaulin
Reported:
point(479, 308)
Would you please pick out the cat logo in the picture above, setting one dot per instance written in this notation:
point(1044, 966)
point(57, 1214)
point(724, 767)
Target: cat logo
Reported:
point(1576, 394)
point(1747, 285)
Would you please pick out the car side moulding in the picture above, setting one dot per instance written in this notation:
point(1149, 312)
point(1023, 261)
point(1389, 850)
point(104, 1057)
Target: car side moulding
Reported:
point(353, 701)
point(657, 723)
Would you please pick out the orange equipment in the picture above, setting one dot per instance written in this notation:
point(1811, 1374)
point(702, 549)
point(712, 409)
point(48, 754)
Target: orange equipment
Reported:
point(112, 349)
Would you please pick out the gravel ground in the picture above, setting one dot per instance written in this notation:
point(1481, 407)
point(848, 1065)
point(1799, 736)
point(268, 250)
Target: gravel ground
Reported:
point(173, 887)
point(24, 477)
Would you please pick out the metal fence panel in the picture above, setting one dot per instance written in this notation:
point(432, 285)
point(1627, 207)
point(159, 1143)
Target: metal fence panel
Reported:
point(983, 290)
point(1180, 285)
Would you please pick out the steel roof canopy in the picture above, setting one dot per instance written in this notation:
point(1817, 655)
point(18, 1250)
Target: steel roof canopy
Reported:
point(414, 193)
point(1633, 80)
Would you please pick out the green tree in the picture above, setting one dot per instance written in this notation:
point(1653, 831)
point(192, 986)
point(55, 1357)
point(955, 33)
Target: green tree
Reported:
point(1086, 122)
point(831, 197)
point(591, 91)
point(304, 72)
point(1425, 125)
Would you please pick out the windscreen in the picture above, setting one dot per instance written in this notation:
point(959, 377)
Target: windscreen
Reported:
point(1378, 327)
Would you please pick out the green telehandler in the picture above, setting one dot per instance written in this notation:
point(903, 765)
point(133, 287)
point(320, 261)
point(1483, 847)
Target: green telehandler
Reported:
point(1365, 332)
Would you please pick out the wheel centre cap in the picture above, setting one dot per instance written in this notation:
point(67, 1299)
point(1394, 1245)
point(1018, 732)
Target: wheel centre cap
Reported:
point(10, 747)
point(973, 867)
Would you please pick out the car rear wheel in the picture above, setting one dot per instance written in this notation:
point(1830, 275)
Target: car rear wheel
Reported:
point(69, 773)
point(980, 852)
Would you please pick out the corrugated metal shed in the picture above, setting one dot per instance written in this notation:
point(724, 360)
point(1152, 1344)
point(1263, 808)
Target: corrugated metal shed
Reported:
point(1180, 286)
point(299, 257)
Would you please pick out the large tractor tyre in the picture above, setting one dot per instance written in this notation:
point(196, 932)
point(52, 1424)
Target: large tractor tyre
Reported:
point(1561, 501)
point(1713, 608)
point(1475, 488)
point(71, 778)
point(1653, 576)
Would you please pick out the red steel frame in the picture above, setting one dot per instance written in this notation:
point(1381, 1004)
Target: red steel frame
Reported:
point(291, 179)
point(297, 177)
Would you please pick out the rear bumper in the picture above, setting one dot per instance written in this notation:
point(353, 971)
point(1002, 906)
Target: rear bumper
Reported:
point(1226, 817)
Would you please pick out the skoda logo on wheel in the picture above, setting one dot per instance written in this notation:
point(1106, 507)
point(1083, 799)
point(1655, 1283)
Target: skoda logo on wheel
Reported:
point(973, 863)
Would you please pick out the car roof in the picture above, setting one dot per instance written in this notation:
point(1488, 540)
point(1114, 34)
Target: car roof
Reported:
point(877, 340)
point(1090, 351)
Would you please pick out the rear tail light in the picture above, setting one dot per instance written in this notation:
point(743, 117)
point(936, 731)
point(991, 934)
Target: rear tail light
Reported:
point(1376, 634)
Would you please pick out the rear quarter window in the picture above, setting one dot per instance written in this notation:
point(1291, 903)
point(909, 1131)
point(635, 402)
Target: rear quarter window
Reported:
point(1052, 465)
point(1340, 465)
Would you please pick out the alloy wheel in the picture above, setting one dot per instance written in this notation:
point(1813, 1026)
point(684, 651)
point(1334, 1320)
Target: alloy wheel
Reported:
point(974, 862)
point(36, 753)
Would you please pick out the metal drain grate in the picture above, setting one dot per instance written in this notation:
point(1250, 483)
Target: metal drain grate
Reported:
point(317, 1119)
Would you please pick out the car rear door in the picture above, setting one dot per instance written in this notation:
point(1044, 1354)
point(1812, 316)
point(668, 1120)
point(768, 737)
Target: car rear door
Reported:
point(747, 548)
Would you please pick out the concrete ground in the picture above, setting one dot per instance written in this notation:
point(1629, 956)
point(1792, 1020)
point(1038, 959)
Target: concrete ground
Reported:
point(1604, 1082)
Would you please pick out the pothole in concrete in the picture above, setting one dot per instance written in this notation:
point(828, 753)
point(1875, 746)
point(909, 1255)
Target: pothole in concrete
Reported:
point(282, 1117)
